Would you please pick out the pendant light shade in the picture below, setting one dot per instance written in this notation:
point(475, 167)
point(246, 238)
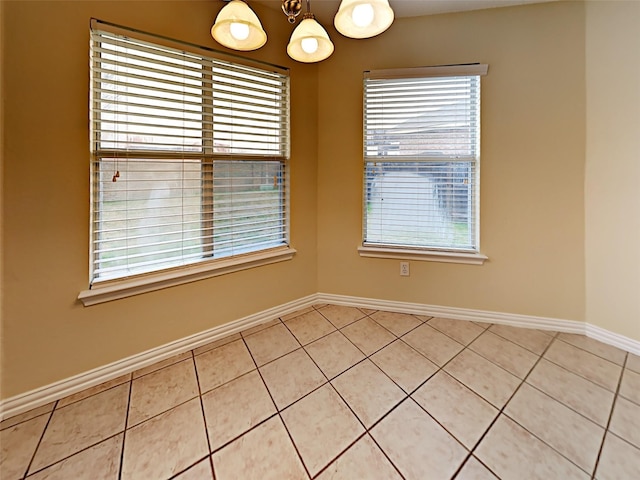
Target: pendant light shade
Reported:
point(238, 27)
point(309, 41)
point(363, 18)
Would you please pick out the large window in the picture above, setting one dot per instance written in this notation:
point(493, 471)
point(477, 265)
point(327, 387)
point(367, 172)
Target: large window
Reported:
point(421, 158)
point(189, 157)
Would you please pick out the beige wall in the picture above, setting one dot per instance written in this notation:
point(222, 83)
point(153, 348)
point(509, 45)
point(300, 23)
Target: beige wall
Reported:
point(48, 335)
point(532, 180)
point(612, 200)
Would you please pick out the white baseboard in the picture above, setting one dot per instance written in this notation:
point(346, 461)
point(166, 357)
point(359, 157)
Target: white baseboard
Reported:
point(57, 390)
point(513, 319)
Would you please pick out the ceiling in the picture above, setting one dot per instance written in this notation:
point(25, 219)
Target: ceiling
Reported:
point(325, 10)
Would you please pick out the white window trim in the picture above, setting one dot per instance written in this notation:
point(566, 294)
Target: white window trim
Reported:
point(469, 258)
point(117, 289)
point(426, 253)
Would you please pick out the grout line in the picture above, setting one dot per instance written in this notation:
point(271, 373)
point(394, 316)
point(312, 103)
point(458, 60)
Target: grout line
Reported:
point(204, 418)
point(124, 432)
point(60, 460)
point(613, 406)
point(278, 413)
point(385, 453)
point(73, 455)
point(518, 344)
point(98, 392)
point(501, 412)
point(589, 351)
point(484, 330)
point(535, 387)
point(40, 442)
point(28, 419)
point(578, 373)
point(366, 430)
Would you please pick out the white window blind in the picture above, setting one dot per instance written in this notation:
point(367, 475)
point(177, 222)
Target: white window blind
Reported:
point(421, 154)
point(189, 157)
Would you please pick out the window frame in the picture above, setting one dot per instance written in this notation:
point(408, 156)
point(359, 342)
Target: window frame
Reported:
point(102, 290)
point(444, 254)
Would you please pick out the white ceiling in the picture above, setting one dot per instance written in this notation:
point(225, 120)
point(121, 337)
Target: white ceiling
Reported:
point(325, 10)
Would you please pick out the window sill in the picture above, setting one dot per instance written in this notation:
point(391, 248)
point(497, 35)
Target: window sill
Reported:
point(422, 255)
point(115, 290)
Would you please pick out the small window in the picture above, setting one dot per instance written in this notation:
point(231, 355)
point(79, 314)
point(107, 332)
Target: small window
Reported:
point(188, 158)
point(422, 158)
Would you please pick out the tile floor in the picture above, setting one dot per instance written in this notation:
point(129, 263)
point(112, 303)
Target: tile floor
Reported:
point(335, 392)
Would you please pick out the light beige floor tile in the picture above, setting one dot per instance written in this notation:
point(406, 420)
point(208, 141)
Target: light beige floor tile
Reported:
point(474, 470)
point(396, 323)
point(483, 377)
point(265, 453)
point(100, 462)
point(625, 421)
point(619, 460)
point(334, 354)
point(82, 424)
point(341, 316)
point(93, 390)
point(600, 349)
point(161, 390)
point(259, 328)
point(363, 460)
point(460, 330)
point(513, 453)
point(535, 341)
point(271, 343)
point(598, 370)
point(630, 386)
point(368, 391)
point(164, 363)
point(322, 426)
point(633, 362)
point(200, 471)
point(585, 397)
point(462, 412)
point(291, 377)
point(166, 444)
point(434, 345)
point(416, 444)
point(404, 365)
point(504, 353)
point(309, 327)
point(235, 407)
point(368, 311)
point(289, 316)
point(217, 343)
point(23, 417)
point(558, 426)
point(18, 444)
point(367, 335)
point(223, 364)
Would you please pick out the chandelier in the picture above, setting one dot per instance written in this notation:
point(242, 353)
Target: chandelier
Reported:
point(239, 28)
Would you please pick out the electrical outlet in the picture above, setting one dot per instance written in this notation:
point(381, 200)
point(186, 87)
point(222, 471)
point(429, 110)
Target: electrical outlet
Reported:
point(404, 269)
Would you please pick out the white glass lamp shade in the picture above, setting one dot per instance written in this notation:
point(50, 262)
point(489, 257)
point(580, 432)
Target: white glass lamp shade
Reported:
point(309, 42)
point(238, 27)
point(363, 18)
